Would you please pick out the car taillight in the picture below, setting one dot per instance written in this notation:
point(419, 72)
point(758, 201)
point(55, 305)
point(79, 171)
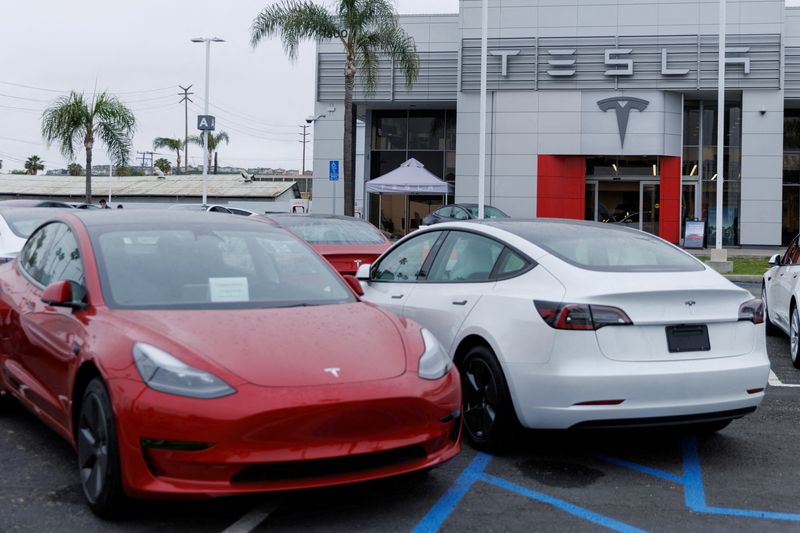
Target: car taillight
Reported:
point(580, 316)
point(752, 311)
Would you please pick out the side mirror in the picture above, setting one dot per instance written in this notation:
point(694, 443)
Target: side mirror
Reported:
point(363, 272)
point(60, 294)
point(354, 284)
point(775, 260)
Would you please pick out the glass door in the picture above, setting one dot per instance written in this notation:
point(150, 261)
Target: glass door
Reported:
point(688, 204)
point(650, 207)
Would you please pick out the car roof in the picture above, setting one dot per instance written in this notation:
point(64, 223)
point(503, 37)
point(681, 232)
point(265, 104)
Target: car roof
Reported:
point(93, 219)
point(33, 212)
point(315, 216)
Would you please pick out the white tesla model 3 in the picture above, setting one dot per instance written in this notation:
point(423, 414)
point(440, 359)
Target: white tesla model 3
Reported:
point(561, 324)
point(781, 292)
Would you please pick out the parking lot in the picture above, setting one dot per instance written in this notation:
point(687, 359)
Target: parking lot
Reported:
point(740, 479)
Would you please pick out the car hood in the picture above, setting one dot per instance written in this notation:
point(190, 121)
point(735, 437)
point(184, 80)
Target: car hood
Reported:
point(287, 347)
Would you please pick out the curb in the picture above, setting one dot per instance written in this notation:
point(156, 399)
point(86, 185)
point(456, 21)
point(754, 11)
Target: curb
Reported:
point(743, 278)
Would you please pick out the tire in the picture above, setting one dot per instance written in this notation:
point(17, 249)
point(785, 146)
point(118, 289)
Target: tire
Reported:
point(794, 337)
point(98, 453)
point(489, 418)
point(772, 329)
point(712, 427)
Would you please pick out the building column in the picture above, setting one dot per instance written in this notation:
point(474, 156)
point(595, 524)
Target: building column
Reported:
point(669, 221)
point(561, 186)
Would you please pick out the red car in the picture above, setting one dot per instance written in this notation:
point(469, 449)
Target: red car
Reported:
point(345, 242)
point(193, 356)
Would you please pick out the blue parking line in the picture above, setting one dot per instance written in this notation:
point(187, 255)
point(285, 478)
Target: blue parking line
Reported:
point(450, 499)
point(580, 512)
point(639, 468)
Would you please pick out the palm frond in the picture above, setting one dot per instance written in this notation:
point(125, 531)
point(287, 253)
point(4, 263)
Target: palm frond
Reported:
point(294, 21)
point(395, 43)
point(168, 143)
point(114, 125)
point(66, 122)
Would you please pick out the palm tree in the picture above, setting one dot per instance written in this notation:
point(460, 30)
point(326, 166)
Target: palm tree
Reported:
point(72, 119)
point(367, 29)
point(33, 165)
point(213, 142)
point(163, 165)
point(74, 169)
point(170, 144)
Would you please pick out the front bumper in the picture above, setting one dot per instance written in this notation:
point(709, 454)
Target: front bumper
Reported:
point(545, 395)
point(270, 439)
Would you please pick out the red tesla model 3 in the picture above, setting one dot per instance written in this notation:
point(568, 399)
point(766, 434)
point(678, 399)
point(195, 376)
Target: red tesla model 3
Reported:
point(346, 242)
point(185, 355)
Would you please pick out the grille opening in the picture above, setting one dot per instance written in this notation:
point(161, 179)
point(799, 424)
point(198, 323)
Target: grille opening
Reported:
point(328, 467)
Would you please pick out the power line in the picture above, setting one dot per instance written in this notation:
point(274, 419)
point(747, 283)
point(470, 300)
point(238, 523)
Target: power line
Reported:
point(50, 90)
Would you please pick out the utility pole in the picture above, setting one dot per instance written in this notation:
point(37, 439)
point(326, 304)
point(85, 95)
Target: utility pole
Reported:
point(304, 141)
point(185, 101)
point(145, 157)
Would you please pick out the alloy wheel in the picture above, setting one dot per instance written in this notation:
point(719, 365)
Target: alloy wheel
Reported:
point(93, 434)
point(794, 337)
point(480, 398)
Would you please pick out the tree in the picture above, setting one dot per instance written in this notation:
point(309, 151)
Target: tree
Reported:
point(164, 165)
point(33, 165)
point(72, 119)
point(213, 143)
point(74, 169)
point(176, 145)
point(367, 29)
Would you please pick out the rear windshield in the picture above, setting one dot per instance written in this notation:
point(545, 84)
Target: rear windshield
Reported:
point(191, 266)
point(488, 212)
point(332, 230)
point(23, 221)
point(606, 248)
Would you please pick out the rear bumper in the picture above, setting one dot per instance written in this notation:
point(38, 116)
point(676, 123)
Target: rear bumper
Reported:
point(263, 439)
point(545, 395)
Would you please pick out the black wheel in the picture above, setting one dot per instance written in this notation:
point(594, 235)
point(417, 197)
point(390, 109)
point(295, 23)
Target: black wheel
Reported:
point(772, 329)
point(794, 337)
point(98, 453)
point(489, 417)
point(711, 427)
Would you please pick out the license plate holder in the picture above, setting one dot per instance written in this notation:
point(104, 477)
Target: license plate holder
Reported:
point(688, 338)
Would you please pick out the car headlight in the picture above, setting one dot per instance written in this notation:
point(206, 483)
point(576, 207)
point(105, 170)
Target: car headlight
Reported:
point(434, 363)
point(165, 373)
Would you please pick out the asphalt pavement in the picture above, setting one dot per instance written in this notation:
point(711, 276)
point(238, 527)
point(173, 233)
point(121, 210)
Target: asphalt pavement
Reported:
point(744, 478)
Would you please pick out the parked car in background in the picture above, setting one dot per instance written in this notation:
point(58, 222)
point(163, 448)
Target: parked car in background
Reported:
point(34, 203)
point(86, 206)
point(781, 294)
point(16, 225)
point(214, 209)
point(562, 324)
point(453, 212)
point(184, 355)
point(345, 242)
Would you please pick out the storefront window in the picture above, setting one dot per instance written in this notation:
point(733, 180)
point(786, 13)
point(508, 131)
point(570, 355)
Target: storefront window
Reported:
point(730, 212)
point(791, 175)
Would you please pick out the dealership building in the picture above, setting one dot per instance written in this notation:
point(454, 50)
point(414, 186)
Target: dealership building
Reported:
point(599, 110)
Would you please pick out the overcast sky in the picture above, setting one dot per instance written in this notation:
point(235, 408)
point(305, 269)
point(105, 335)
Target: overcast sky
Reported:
point(141, 51)
point(133, 47)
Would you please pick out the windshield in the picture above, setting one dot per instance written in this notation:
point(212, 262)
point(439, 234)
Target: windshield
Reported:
point(488, 212)
point(605, 247)
point(332, 230)
point(23, 221)
point(196, 267)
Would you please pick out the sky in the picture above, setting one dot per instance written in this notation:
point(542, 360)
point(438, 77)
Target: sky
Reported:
point(141, 51)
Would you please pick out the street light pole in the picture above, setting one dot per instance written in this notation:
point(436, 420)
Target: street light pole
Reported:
point(482, 129)
point(720, 128)
point(207, 41)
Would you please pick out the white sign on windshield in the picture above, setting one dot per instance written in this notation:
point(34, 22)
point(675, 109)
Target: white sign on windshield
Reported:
point(229, 289)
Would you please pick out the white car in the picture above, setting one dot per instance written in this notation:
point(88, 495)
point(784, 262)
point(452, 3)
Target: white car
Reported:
point(780, 292)
point(562, 324)
point(16, 225)
point(214, 209)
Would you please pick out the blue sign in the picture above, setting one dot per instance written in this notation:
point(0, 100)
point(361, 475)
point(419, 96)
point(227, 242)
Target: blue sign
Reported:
point(333, 174)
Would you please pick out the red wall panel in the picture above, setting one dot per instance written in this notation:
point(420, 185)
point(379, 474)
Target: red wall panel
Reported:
point(669, 225)
point(561, 186)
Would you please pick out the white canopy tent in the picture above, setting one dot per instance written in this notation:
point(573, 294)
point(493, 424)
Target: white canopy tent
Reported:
point(410, 178)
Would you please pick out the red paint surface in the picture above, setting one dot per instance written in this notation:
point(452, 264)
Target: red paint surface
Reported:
point(286, 408)
point(669, 225)
point(561, 186)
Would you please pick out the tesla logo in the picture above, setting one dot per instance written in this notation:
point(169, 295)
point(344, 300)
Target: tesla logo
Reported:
point(690, 303)
point(622, 105)
point(333, 371)
point(357, 262)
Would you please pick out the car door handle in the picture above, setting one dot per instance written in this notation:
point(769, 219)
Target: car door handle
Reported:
point(460, 302)
point(396, 296)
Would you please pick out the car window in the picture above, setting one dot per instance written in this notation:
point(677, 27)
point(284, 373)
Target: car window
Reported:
point(465, 257)
point(510, 263)
point(488, 212)
point(219, 209)
point(34, 254)
point(63, 261)
point(460, 213)
point(404, 262)
point(445, 212)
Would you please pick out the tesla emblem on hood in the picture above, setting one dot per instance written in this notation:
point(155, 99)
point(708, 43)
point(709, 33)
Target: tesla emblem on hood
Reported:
point(333, 371)
point(690, 302)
